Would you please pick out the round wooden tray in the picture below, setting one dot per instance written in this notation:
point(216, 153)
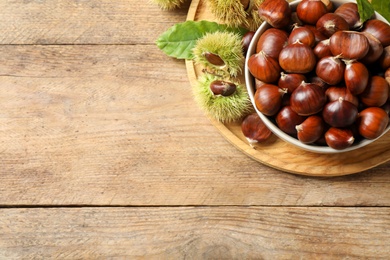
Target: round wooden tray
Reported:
point(283, 156)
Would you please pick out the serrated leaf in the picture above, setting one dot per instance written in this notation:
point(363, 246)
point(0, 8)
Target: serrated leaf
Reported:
point(179, 40)
point(382, 7)
point(365, 9)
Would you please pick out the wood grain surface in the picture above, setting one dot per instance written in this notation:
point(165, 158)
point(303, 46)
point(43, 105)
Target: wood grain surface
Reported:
point(104, 154)
point(195, 233)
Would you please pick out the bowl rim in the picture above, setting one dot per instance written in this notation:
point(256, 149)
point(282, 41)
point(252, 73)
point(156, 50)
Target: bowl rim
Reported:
point(249, 82)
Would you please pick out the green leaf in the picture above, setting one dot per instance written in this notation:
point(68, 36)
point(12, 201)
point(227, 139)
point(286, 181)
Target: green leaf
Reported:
point(382, 7)
point(365, 9)
point(179, 40)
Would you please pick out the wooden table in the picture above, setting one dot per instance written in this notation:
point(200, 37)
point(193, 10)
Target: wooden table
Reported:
point(104, 154)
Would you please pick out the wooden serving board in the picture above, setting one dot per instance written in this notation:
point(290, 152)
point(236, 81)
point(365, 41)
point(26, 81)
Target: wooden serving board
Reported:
point(280, 155)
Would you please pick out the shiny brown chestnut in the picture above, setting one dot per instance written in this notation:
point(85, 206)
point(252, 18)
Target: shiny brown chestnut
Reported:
point(272, 41)
point(375, 49)
point(376, 93)
point(330, 69)
point(384, 59)
point(275, 12)
point(290, 81)
point(340, 113)
point(339, 138)
point(308, 99)
point(350, 13)
point(334, 93)
point(246, 40)
point(372, 122)
point(330, 23)
point(254, 129)
point(356, 76)
point(303, 34)
point(311, 129)
point(379, 29)
point(341, 42)
point(223, 88)
point(263, 67)
point(309, 11)
point(268, 99)
point(287, 119)
point(322, 49)
point(214, 59)
point(297, 58)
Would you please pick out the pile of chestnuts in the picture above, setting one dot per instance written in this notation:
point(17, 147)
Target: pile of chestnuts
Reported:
point(322, 75)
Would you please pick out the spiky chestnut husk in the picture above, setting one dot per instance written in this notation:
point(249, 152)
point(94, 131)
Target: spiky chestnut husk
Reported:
point(224, 109)
point(254, 20)
point(168, 4)
point(225, 45)
point(235, 13)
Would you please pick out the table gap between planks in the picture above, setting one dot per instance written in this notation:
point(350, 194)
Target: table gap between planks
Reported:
point(104, 154)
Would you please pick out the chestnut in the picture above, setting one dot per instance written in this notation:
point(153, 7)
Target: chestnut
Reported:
point(372, 122)
point(311, 129)
point(384, 59)
point(272, 41)
point(308, 99)
point(340, 113)
point(287, 119)
point(254, 129)
point(268, 99)
point(330, 70)
point(330, 23)
point(341, 43)
point(214, 59)
point(303, 34)
point(223, 88)
point(334, 93)
point(350, 13)
point(290, 81)
point(376, 93)
point(297, 58)
point(375, 49)
point(356, 76)
point(309, 11)
point(263, 67)
point(246, 40)
point(339, 138)
point(379, 30)
point(275, 12)
point(322, 49)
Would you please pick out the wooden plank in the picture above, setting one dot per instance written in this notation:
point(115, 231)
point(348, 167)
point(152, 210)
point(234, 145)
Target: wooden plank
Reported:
point(115, 125)
point(195, 233)
point(84, 22)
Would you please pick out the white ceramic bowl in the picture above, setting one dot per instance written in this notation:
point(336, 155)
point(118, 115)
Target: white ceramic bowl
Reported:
point(250, 84)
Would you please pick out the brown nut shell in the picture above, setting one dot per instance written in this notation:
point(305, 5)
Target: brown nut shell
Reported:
point(341, 42)
point(311, 129)
point(308, 99)
point(339, 138)
point(372, 122)
point(254, 129)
